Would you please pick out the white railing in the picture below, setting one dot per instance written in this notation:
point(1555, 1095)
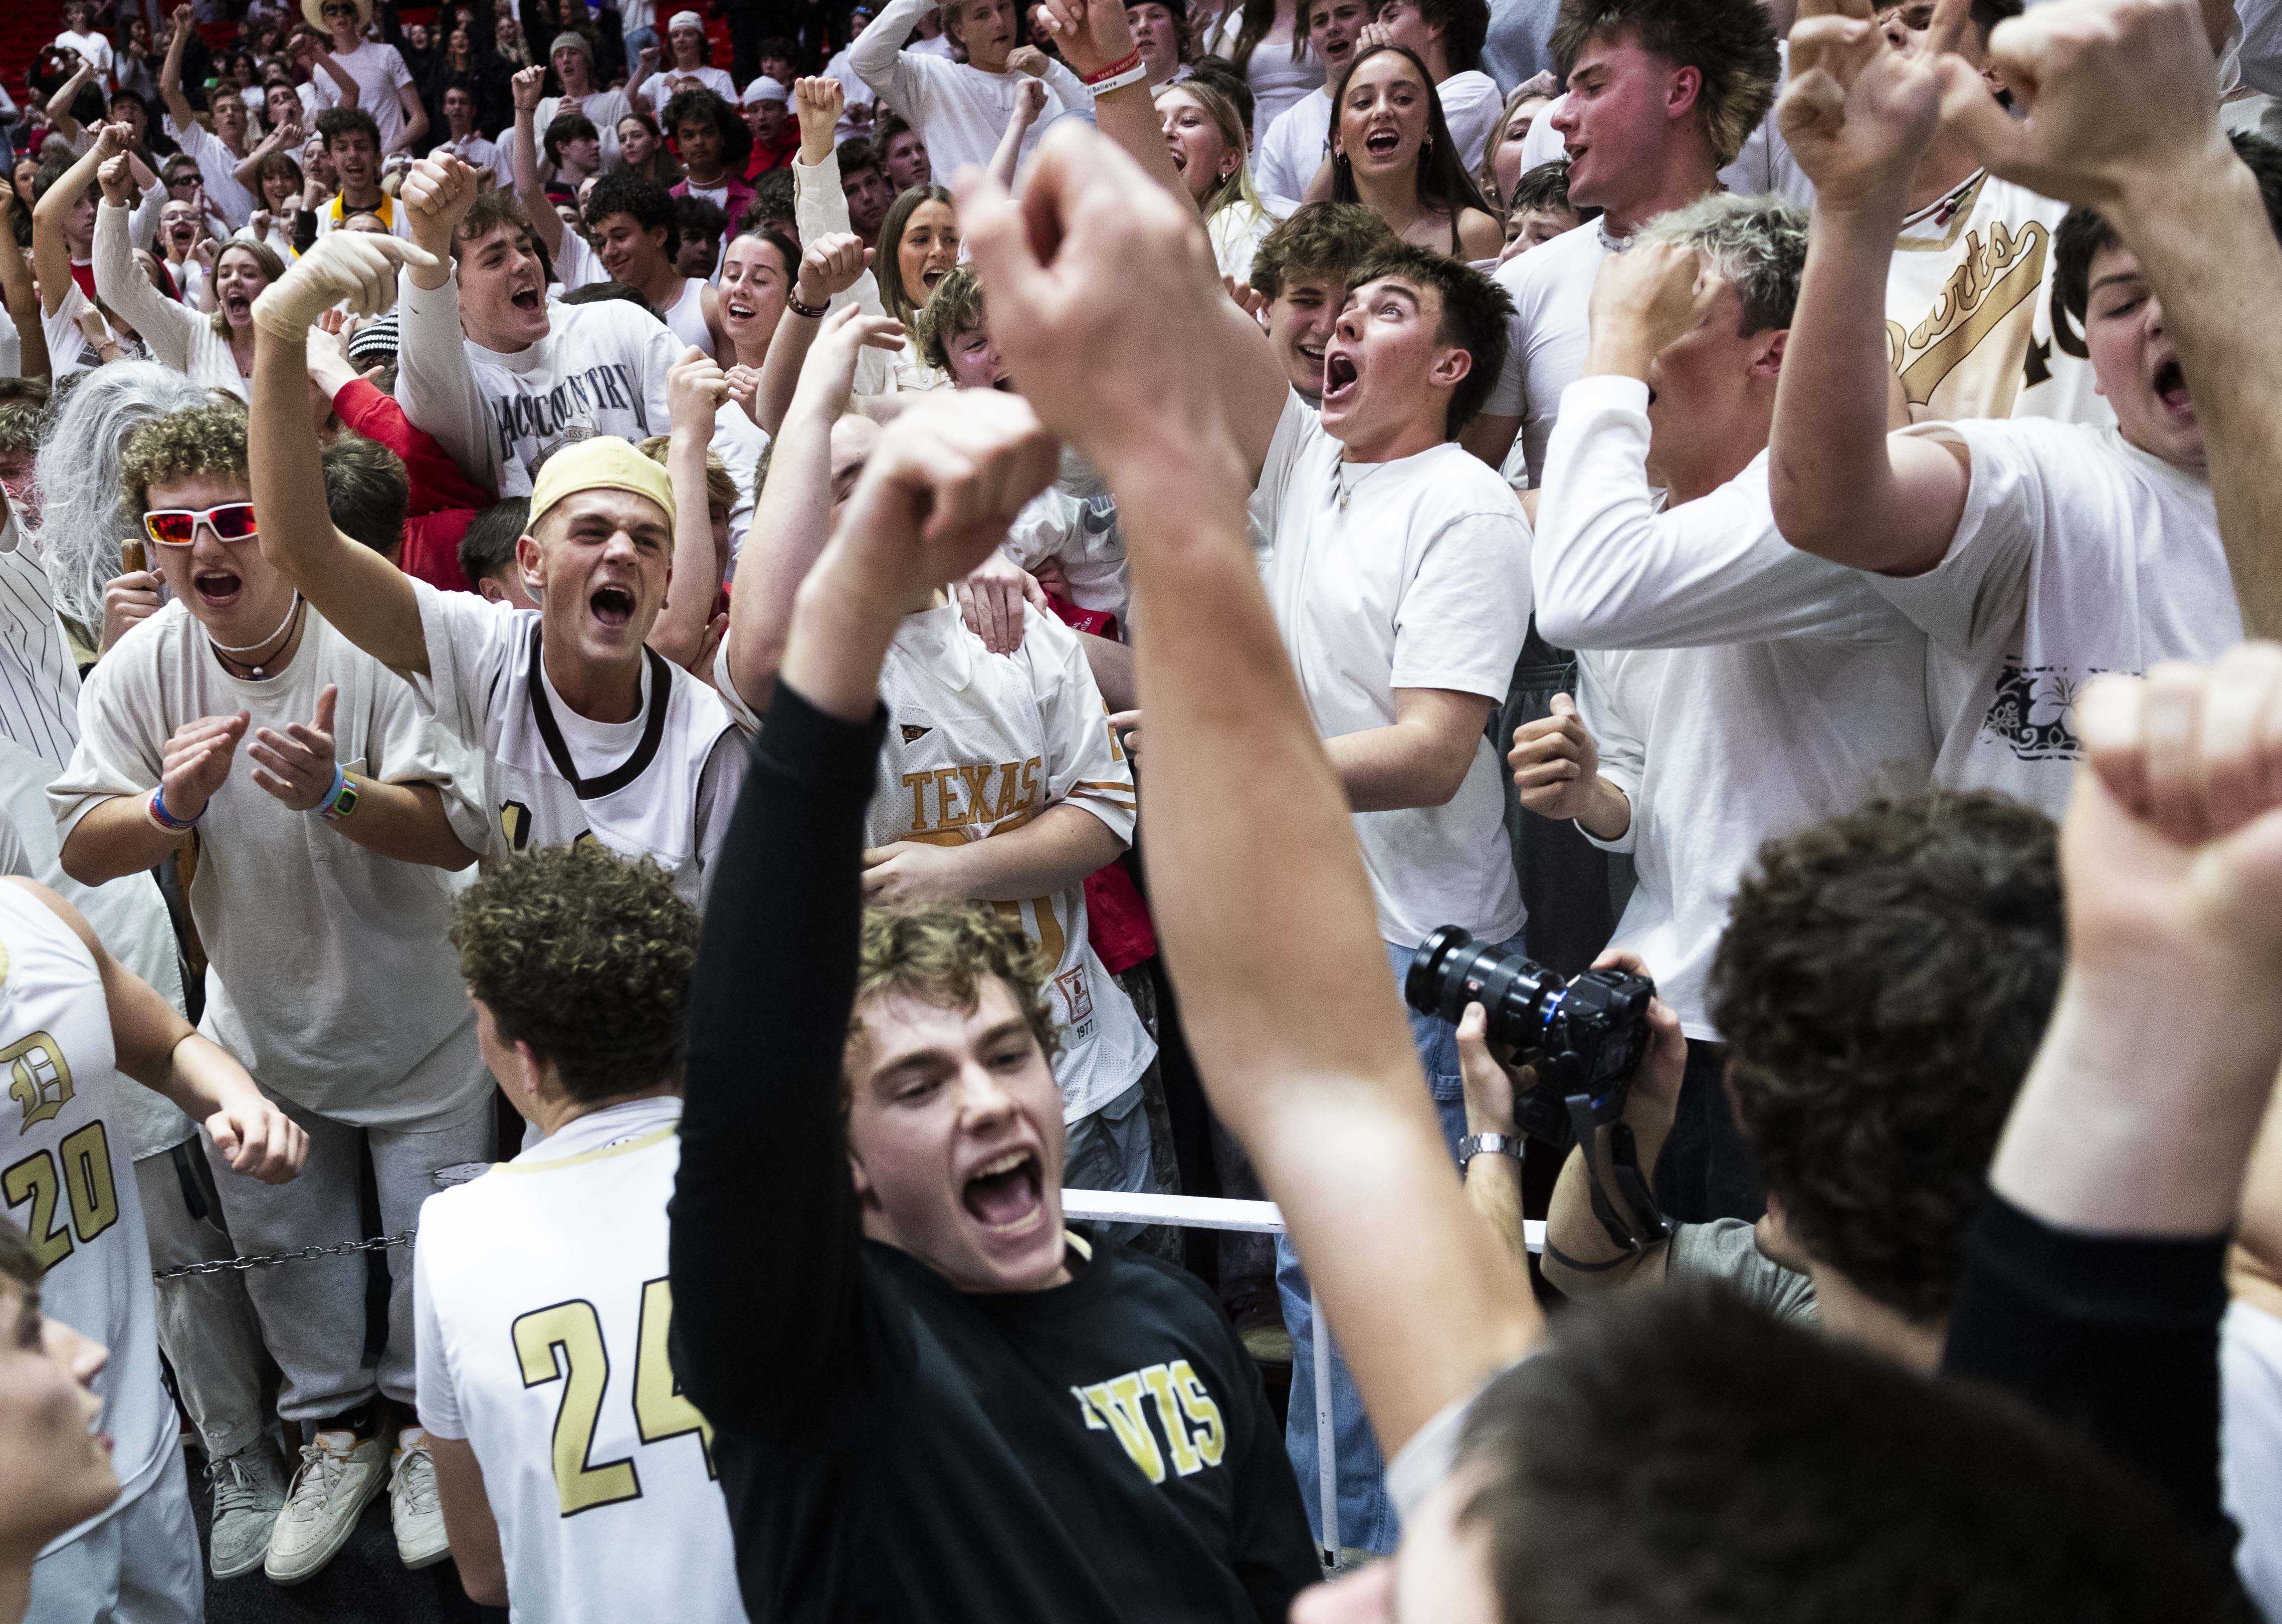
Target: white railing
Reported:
point(1250, 1217)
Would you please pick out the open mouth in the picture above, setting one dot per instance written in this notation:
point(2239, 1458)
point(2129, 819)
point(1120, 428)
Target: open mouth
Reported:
point(525, 299)
point(1180, 160)
point(217, 589)
point(612, 606)
point(2171, 385)
point(738, 310)
point(237, 306)
point(1382, 143)
point(928, 278)
point(1339, 375)
point(1007, 1193)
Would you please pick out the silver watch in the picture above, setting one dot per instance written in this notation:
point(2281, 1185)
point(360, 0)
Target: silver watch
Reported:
point(1487, 1144)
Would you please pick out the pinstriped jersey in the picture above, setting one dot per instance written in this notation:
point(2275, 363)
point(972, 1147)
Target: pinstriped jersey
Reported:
point(978, 745)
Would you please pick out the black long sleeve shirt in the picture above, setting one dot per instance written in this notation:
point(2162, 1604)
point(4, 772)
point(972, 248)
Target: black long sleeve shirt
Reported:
point(891, 1447)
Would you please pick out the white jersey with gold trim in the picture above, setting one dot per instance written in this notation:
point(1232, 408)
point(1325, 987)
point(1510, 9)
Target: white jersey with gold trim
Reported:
point(542, 1305)
point(979, 745)
point(67, 1179)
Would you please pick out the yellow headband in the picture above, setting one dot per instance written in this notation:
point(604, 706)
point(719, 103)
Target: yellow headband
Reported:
point(603, 463)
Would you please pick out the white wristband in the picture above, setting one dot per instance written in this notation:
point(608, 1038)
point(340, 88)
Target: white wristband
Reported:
point(1130, 76)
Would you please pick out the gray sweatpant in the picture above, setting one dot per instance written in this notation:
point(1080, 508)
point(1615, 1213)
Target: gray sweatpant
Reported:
point(312, 1312)
point(206, 1325)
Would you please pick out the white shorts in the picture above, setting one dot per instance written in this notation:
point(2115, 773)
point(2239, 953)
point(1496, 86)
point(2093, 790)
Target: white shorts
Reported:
point(141, 1567)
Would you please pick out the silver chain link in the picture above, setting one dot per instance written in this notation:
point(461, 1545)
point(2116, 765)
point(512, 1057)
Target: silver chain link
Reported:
point(263, 1260)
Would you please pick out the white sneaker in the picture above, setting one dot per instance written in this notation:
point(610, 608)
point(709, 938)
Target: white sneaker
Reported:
point(413, 1507)
point(248, 1492)
point(340, 1475)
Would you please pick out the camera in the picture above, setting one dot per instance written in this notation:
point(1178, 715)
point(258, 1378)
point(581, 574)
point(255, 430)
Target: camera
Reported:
point(1586, 1038)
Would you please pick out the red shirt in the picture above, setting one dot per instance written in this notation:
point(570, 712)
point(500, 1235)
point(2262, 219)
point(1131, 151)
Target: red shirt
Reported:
point(443, 503)
point(765, 158)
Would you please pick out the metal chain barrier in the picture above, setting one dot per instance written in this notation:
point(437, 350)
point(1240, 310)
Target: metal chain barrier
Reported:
point(263, 1260)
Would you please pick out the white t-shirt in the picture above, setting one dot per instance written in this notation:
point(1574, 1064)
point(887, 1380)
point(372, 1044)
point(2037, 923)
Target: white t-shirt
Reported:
point(1471, 105)
point(218, 169)
point(379, 71)
point(1237, 229)
point(601, 369)
point(94, 46)
point(69, 349)
point(2250, 1447)
point(1410, 574)
point(1082, 536)
point(328, 971)
point(661, 784)
point(1738, 688)
point(541, 1295)
point(1551, 330)
point(664, 85)
point(604, 107)
point(70, 1185)
point(980, 744)
point(1290, 150)
point(738, 442)
point(686, 316)
point(2077, 553)
point(959, 111)
point(1968, 310)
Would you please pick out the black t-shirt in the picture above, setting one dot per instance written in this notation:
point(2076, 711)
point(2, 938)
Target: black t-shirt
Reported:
point(892, 1449)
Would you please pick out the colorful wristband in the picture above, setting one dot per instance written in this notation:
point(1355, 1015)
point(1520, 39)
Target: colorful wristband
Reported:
point(813, 313)
point(1133, 75)
point(155, 809)
point(340, 800)
point(1098, 79)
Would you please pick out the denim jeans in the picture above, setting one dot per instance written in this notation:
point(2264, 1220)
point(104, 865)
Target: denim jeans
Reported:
point(1366, 1519)
point(1109, 1149)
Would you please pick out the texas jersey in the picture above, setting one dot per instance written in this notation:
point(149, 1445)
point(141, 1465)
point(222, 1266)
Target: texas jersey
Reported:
point(542, 1305)
point(662, 786)
point(1968, 310)
point(66, 1180)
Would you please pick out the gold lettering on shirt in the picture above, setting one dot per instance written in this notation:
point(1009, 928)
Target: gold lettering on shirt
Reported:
point(1194, 1430)
point(955, 796)
point(1967, 356)
point(1119, 1401)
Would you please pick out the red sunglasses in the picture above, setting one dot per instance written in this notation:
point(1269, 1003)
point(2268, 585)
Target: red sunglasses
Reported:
point(175, 527)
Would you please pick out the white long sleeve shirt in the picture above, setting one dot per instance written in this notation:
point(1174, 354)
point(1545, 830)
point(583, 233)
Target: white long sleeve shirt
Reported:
point(177, 335)
point(601, 369)
point(821, 208)
point(959, 111)
point(1738, 688)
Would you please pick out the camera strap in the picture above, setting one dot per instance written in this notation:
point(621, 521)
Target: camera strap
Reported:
point(1624, 1171)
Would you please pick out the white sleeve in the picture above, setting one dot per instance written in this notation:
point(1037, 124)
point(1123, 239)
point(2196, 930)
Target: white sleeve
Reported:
point(392, 64)
point(405, 743)
point(1294, 431)
point(143, 224)
point(877, 55)
point(326, 90)
point(1610, 571)
point(122, 734)
point(436, 385)
point(1470, 106)
point(1509, 395)
point(1085, 765)
point(820, 204)
point(1543, 143)
point(165, 326)
point(438, 1403)
point(1980, 580)
point(717, 787)
point(469, 640)
point(1049, 522)
point(576, 266)
point(1068, 88)
point(1465, 609)
point(1623, 755)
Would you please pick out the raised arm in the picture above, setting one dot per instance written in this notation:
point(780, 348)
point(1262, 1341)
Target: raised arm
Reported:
point(1029, 102)
point(546, 224)
point(166, 326)
point(1858, 114)
point(60, 104)
point(23, 300)
point(694, 390)
point(877, 55)
point(283, 136)
point(764, 1219)
point(2093, 1280)
point(434, 382)
point(367, 598)
point(2173, 188)
point(1257, 883)
point(51, 251)
point(170, 72)
point(831, 268)
point(793, 516)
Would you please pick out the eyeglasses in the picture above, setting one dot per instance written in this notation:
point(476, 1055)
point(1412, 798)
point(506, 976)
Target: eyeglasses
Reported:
point(177, 527)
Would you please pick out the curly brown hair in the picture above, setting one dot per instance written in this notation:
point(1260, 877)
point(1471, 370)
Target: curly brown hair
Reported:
point(1728, 42)
point(1318, 239)
point(585, 956)
point(207, 439)
point(939, 954)
point(954, 307)
point(1884, 981)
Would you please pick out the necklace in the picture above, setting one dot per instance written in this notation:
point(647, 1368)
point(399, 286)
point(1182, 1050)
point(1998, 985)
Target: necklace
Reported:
point(235, 656)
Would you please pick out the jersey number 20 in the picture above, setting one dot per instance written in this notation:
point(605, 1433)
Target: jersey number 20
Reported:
point(564, 1343)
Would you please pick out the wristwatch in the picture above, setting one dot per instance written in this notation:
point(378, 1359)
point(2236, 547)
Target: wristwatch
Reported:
point(342, 803)
point(1487, 1144)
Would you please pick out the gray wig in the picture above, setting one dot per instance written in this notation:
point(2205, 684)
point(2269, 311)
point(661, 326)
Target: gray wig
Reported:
point(83, 515)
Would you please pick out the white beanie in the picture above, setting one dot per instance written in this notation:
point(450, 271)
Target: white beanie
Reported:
point(766, 89)
point(686, 20)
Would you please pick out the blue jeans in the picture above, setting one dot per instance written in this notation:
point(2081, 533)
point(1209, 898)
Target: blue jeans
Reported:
point(1108, 1149)
point(1366, 1519)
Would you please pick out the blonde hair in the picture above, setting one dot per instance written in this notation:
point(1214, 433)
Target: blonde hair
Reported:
point(720, 487)
point(939, 954)
point(1237, 186)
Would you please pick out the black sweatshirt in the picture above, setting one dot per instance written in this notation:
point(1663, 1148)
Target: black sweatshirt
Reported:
point(892, 1449)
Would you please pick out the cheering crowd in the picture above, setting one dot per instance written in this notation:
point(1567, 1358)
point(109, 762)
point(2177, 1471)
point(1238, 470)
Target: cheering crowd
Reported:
point(1615, 652)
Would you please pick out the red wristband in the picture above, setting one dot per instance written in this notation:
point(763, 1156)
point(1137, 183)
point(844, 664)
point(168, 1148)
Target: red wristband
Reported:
point(1131, 61)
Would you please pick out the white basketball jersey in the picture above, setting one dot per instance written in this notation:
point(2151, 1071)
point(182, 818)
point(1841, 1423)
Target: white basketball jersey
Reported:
point(978, 745)
point(543, 1308)
point(485, 682)
point(68, 1181)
